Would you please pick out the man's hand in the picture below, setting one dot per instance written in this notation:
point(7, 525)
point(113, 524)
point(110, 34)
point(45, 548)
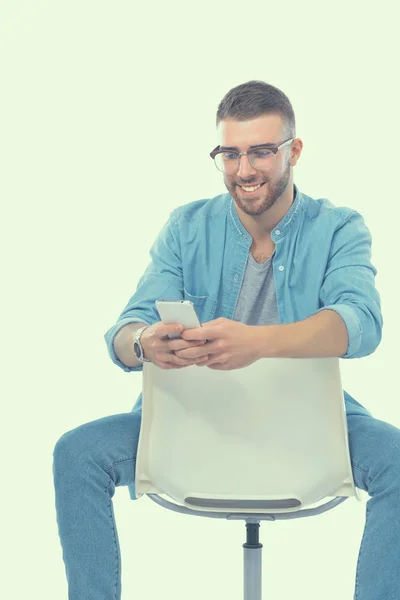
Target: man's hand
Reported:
point(230, 344)
point(160, 349)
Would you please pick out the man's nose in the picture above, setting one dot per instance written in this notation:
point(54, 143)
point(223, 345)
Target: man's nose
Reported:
point(246, 169)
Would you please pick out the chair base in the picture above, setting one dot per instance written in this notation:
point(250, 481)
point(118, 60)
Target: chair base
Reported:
point(252, 549)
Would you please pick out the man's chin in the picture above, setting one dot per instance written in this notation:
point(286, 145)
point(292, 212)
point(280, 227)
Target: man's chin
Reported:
point(253, 206)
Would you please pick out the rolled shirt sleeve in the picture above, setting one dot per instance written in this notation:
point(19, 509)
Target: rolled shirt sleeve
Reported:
point(349, 286)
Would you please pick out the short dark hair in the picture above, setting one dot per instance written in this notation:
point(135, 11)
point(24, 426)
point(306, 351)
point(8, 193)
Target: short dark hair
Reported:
point(254, 99)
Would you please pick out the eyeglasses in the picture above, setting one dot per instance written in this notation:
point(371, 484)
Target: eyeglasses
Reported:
point(261, 157)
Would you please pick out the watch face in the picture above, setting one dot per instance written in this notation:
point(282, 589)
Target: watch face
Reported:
point(136, 349)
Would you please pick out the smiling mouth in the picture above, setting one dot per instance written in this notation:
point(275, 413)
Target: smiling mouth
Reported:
point(249, 189)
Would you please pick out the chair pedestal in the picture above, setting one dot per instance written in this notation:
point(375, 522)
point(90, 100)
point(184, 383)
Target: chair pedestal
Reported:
point(252, 563)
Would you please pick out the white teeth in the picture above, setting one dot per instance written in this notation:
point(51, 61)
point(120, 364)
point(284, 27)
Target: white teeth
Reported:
point(251, 189)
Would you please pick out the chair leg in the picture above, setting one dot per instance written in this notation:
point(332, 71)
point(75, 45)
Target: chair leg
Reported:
point(252, 561)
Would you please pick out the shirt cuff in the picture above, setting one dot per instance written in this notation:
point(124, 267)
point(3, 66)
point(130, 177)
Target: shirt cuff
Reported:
point(353, 324)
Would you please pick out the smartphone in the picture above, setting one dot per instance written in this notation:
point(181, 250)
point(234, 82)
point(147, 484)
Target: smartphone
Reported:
point(178, 311)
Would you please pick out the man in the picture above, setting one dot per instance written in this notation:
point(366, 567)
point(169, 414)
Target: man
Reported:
point(272, 272)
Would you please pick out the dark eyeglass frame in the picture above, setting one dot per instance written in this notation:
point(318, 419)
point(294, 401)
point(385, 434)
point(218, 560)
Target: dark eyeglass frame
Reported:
point(273, 148)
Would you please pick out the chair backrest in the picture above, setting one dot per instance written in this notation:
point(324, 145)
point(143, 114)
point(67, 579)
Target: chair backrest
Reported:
point(271, 436)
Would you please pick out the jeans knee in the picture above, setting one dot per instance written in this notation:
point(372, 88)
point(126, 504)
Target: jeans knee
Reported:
point(67, 449)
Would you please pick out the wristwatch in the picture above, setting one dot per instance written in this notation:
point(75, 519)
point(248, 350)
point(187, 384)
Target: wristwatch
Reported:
point(137, 346)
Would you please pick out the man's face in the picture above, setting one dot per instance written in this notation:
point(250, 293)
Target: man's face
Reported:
point(242, 135)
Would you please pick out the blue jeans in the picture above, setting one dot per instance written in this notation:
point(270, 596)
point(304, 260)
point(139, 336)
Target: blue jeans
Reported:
point(90, 460)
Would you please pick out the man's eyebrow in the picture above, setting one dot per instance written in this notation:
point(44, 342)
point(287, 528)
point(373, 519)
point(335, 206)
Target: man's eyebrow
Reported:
point(250, 147)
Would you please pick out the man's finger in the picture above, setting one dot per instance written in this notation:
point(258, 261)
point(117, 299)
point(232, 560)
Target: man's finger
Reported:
point(173, 359)
point(180, 344)
point(200, 333)
point(169, 329)
point(202, 350)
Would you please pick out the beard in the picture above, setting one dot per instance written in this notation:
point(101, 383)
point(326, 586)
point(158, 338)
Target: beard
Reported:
point(268, 194)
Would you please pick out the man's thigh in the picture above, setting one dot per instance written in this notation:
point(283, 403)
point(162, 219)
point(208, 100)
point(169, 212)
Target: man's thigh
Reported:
point(111, 442)
point(374, 446)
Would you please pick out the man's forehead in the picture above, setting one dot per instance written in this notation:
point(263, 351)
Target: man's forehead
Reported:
point(261, 130)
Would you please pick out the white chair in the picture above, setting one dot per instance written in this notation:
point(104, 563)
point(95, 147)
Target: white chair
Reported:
point(258, 443)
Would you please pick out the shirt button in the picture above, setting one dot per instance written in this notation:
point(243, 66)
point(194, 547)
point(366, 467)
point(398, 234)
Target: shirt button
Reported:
point(281, 267)
point(236, 277)
point(277, 231)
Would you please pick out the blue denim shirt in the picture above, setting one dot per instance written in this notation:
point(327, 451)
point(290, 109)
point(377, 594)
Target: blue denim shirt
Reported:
point(322, 261)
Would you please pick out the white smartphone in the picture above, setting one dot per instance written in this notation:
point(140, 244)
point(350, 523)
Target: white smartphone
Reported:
point(178, 311)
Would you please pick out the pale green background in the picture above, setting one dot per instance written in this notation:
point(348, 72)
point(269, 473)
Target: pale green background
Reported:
point(88, 88)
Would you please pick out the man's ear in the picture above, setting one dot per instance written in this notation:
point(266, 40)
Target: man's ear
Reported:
point(295, 151)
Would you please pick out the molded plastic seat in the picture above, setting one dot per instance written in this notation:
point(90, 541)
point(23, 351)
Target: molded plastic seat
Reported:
point(271, 437)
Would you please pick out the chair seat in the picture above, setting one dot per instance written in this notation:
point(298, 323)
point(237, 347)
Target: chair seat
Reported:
point(271, 437)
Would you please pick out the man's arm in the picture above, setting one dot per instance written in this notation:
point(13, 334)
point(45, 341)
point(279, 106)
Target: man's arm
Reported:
point(349, 322)
point(321, 335)
point(161, 279)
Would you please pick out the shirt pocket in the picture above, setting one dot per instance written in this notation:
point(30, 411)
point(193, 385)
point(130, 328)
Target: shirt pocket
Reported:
point(204, 305)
